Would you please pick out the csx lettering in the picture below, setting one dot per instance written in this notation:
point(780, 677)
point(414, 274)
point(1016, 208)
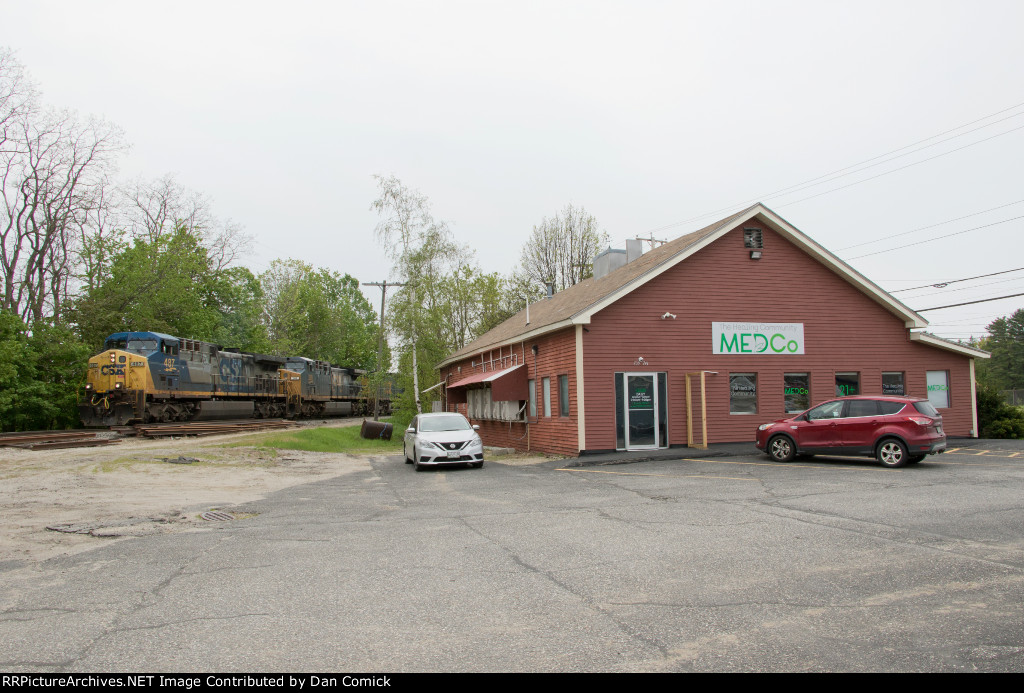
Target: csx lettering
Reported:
point(112, 370)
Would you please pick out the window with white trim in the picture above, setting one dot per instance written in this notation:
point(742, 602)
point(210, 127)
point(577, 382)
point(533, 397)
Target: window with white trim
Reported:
point(938, 389)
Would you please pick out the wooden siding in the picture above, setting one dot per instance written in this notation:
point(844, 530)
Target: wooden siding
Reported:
point(556, 355)
point(844, 331)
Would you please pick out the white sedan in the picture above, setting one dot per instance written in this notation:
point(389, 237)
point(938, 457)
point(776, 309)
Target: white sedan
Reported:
point(442, 438)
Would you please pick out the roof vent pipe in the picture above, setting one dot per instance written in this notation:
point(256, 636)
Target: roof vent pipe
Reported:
point(551, 289)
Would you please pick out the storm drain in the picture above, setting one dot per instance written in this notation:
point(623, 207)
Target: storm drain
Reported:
point(217, 516)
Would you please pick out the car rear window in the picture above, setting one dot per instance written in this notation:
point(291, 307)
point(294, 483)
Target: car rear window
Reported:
point(926, 408)
point(887, 408)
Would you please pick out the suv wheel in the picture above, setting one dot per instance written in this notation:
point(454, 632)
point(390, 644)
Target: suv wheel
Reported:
point(892, 453)
point(781, 449)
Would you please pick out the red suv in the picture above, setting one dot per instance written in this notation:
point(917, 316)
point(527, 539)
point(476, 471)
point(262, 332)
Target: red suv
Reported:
point(895, 430)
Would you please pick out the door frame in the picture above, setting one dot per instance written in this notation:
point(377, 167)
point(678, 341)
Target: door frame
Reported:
point(653, 375)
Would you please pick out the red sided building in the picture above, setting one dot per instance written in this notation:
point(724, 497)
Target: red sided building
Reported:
point(703, 338)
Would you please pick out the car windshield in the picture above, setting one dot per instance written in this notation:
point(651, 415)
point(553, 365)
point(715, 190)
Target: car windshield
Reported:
point(444, 423)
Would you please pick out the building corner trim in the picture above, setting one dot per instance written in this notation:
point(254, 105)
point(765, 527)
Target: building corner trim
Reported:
point(581, 422)
point(974, 403)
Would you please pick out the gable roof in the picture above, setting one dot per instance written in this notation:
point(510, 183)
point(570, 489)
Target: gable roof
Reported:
point(577, 304)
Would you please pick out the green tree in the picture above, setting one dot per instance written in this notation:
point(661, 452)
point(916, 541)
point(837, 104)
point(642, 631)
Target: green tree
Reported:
point(1005, 370)
point(164, 285)
point(423, 252)
point(996, 419)
point(241, 304)
point(319, 314)
point(40, 374)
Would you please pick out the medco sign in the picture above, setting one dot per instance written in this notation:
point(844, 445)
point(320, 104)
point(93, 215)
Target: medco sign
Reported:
point(757, 338)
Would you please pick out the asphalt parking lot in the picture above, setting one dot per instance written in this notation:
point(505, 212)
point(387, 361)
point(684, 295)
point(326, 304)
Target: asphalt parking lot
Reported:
point(715, 560)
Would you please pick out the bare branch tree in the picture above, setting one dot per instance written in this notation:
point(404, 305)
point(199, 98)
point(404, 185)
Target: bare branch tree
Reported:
point(48, 180)
point(561, 249)
point(18, 99)
point(163, 205)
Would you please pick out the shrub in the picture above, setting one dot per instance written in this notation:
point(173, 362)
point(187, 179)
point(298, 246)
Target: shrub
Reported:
point(996, 419)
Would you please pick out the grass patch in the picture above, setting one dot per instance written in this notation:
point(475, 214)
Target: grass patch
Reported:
point(344, 439)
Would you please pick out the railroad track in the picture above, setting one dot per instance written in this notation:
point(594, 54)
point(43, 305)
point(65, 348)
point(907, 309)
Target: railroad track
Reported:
point(206, 428)
point(54, 440)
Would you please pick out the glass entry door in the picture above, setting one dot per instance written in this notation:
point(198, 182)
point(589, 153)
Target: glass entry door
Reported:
point(641, 405)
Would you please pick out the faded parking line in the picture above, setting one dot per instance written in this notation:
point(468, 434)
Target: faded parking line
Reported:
point(985, 453)
point(675, 476)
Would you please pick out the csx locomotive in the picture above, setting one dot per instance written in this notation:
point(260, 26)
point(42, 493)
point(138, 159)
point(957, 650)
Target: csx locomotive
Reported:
point(141, 377)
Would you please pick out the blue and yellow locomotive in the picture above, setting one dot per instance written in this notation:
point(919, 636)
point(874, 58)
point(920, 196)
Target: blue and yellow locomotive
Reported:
point(141, 377)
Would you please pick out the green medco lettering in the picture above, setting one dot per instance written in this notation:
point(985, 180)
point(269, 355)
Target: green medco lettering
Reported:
point(744, 347)
point(728, 346)
point(792, 346)
point(778, 349)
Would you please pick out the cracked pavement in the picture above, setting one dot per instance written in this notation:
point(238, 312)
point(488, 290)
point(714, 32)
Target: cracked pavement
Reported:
point(717, 564)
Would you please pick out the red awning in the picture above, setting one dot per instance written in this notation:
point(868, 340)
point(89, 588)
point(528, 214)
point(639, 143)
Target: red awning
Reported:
point(507, 384)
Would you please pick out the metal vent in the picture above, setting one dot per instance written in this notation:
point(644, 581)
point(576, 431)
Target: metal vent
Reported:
point(752, 239)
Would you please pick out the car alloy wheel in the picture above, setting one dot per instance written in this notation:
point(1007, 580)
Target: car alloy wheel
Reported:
point(892, 453)
point(781, 449)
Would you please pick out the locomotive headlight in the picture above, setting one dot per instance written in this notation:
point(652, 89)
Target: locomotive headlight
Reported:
point(113, 358)
point(117, 386)
point(88, 386)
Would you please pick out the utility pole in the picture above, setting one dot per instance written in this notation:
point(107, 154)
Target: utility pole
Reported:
point(652, 240)
point(380, 340)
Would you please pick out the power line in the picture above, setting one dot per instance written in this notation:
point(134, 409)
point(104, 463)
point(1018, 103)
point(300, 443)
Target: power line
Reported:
point(940, 285)
point(847, 168)
point(830, 177)
point(966, 288)
point(932, 226)
point(968, 303)
point(895, 170)
point(937, 238)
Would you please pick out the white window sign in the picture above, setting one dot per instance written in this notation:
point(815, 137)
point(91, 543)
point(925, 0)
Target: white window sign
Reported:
point(938, 389)
point(757, 338)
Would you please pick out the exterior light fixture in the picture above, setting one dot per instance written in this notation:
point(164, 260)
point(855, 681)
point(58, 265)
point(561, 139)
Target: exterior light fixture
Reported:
point(755, 254)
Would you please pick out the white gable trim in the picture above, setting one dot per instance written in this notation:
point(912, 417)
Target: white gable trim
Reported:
point(939, 343)
point(783, 228)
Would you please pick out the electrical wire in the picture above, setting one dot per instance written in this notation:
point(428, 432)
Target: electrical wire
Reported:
point(895, 170)
point(937, 238)
point(833, 176)
point(968, 303)
point(940, 285)
point(965, 288)
point(931, 226)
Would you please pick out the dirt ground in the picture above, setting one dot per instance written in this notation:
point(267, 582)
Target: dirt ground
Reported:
point(60, 502)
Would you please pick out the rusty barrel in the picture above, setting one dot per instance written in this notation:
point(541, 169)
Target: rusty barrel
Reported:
point(376, 429)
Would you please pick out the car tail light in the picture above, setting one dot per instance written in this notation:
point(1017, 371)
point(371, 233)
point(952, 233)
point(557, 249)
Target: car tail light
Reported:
point(920, 420)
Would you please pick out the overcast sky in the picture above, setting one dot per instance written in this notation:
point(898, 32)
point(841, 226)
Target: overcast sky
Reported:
point(648, 114)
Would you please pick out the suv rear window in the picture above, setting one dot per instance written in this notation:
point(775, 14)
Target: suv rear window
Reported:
point(926, 408)
point(887, 408)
